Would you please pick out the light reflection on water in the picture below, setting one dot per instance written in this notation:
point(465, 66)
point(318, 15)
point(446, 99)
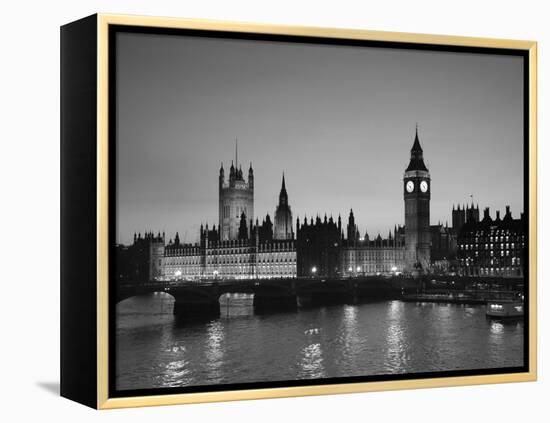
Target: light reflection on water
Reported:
point(497, 328)
point(156, 350)
point(177, 372)
point(312, 362)
point(396, 339)
point(215, 350)
point(349, 339)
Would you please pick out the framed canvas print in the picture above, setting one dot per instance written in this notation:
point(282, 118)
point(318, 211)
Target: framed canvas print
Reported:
point(255, 211)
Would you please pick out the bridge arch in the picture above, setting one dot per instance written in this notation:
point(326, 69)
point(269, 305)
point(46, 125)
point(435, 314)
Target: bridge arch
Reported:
point(123, 295)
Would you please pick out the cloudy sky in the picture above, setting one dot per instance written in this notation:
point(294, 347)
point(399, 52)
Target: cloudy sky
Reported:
point(339, 121)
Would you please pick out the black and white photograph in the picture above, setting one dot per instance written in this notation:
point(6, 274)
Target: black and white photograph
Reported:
point(294, 212)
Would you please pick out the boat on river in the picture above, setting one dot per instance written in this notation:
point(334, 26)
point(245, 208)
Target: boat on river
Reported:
point(505, 309)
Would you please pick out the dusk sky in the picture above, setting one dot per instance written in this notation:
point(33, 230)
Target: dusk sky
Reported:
point(338, 121)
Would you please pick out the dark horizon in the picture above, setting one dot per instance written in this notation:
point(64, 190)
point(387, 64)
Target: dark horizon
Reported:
point(341, 130)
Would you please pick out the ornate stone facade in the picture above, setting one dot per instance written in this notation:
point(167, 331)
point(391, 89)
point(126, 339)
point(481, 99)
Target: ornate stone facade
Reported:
point(235, 259)
point(324, 251)
point(362, 256)
point(236, 196)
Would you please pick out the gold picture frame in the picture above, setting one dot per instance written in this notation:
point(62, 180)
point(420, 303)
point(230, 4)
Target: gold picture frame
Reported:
point(99, 27)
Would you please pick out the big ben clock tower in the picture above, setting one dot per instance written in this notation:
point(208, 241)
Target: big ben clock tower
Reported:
point(416, 192)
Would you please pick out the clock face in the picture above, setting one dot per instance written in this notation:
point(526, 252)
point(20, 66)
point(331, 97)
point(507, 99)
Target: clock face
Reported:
point(423, 186)
point(410, 186)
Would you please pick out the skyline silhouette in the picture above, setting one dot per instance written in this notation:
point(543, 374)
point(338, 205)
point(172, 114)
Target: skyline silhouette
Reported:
point(341, 130)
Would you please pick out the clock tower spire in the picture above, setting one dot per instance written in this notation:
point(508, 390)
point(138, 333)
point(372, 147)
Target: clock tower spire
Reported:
point(416, 193)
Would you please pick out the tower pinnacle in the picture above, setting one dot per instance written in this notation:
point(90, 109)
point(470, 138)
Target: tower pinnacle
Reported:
point(283, 215)
point(283, 196)
point(417, 155)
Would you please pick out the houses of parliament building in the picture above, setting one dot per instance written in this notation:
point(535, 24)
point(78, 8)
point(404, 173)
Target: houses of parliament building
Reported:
point(242, 247)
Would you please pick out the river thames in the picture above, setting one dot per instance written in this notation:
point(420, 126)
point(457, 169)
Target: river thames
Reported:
point(155, 350)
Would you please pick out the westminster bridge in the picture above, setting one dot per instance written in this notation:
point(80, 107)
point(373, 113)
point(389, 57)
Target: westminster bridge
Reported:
point(201, 297)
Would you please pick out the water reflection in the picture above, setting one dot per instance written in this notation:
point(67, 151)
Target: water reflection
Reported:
point(215, 350)
point(396, 339)
point(444, 310)
point(311, 365)
point(496, 328)
point(154, 350)
point(469, 310)
point(395, 309)
point(350, 339)
point(177, 370)
point(350, 316)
